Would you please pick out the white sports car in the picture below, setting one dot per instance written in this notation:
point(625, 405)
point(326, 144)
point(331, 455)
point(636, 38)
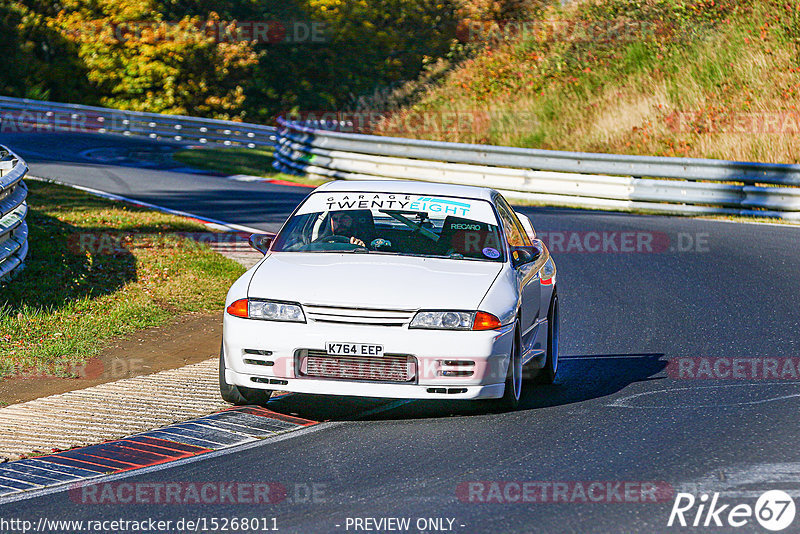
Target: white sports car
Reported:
point(394, 289)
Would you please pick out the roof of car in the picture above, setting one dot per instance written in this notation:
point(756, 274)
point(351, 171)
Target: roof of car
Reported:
point(409, 187)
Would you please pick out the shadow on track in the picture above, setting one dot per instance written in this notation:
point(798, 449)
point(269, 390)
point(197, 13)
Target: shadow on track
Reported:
point(580, 378)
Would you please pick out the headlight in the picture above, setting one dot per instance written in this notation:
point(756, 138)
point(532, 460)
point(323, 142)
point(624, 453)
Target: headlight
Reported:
point(271, 310)
point(455, 320)
point(268, 310)
point(443, 320)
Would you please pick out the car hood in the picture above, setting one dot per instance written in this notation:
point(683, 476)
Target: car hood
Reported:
point(372, 280)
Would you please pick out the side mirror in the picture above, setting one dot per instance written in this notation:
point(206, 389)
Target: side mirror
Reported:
point(261, 242)
point(524, 255)
point(537, 254)
point(526, 224)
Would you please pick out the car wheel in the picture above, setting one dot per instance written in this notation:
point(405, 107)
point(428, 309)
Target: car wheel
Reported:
point(239, 395)
point(513, 389)
point(548, 373)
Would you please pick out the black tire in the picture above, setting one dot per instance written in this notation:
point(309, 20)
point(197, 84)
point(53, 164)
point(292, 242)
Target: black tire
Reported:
point(547, 375)
point(239, 395)
point(513, 388)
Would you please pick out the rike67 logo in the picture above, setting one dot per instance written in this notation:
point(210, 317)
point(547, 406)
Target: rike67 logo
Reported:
point(774, 510)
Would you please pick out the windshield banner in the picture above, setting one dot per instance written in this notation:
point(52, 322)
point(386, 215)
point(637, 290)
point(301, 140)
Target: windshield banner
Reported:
point(436, 207)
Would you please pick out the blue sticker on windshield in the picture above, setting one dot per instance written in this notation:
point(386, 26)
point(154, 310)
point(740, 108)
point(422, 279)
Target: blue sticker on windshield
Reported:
point(378, 243)
point(491, 252)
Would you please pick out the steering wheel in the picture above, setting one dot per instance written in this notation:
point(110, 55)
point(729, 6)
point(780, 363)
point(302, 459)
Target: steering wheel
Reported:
point(332, 239)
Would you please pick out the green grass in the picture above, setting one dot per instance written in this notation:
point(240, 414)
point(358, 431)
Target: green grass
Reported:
point(68, 301)
point(707, 62)
point(250, 161)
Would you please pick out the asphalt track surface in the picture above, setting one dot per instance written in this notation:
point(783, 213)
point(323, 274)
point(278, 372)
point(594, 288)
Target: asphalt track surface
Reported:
point(615, 414)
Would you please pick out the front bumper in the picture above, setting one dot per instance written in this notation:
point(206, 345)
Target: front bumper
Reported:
point(279, 347)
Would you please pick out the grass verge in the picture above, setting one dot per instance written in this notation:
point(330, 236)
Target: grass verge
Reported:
point(689, 78)
point(250, 161)
point(70, 299)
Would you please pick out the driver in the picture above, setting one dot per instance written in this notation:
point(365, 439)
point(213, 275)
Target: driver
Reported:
point(344, 223)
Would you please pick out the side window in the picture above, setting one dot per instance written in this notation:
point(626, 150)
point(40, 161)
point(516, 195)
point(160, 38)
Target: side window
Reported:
point(511, 227)
point(526, 240)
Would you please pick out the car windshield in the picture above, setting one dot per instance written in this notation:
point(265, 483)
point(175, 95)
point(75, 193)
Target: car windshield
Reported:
point(390, 223)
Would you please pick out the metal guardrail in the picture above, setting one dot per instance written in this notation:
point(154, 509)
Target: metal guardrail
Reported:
point(13, 209)
point(25, 115)
point(606, 181)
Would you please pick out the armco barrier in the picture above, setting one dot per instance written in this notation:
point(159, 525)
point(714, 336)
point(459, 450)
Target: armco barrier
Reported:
point(24, 115)
point(13, 208)
point(607, 181)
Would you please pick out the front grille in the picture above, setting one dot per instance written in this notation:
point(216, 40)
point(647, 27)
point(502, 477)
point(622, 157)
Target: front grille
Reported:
point(357, 316)
point(387, 368)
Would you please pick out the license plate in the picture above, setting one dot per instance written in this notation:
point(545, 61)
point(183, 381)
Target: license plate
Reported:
point(354, 349)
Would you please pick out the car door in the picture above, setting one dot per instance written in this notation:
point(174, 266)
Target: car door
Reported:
point(527, 274)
